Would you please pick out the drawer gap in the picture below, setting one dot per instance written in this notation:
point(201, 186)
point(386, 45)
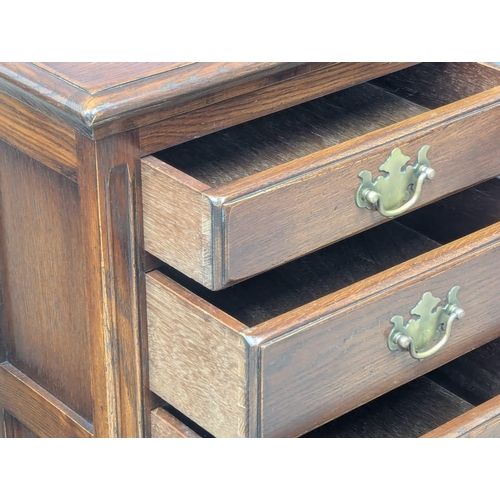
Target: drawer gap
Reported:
point(464, 213)
point(183, 419)
point(243, 150)
point(292, 285)
point(474, 377)
point(332, 268)
point(426, 403)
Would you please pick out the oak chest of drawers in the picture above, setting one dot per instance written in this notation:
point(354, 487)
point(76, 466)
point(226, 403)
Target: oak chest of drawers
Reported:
point(249, 249)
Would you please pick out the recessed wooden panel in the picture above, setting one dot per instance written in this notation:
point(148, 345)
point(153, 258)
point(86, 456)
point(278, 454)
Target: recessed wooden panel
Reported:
point(43, 279)
point(16, 429)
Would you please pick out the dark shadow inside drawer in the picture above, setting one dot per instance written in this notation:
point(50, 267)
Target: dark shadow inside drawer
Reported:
point(316, 275)
point(220, 158)
point(426, 403)
point(258, 145)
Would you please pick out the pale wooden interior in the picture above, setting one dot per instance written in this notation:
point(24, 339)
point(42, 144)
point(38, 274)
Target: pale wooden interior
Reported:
point(252, 147)
point(332, 268)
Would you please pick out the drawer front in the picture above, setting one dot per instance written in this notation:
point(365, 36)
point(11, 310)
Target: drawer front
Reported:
point(292, 373)
point(326, 365)
point(249, 225)
point(460, 399)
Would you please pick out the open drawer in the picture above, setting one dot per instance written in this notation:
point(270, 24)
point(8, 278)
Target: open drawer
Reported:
point(241, 201)
point(460, 399)
point(286, 351)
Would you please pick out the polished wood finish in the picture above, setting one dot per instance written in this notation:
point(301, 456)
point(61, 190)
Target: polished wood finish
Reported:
point(268, 195)
point(294, 355)
point(41, 258)
point(15, 429)
point(407, 412)
point(74, 355)
point(480, 422)
point(95, 77)
point(100, 107)
point(46, 139)
point(197, 357)
point(112, 227)
point(164, 425)
point(269, 99)
point(41, 412)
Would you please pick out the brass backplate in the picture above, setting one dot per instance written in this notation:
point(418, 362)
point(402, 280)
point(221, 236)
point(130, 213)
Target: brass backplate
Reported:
point(426, 328)
point(394, 186)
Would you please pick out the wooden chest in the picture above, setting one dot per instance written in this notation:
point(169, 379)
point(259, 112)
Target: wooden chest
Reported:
point(249, 250)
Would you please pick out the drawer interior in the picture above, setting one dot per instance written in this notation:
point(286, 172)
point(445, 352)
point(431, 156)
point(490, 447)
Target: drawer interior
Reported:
point(426, 403)
point(259, 145)
point(297, 283)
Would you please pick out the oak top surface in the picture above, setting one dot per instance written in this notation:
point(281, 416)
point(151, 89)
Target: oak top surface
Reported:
point(94, 77)
point(92, 96)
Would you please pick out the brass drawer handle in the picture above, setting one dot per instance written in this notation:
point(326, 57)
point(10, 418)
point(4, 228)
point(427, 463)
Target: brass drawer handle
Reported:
point(419, 334)
point(387, 192)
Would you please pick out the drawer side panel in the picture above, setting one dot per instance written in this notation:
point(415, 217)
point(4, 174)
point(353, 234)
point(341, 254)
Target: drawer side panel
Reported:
point(177, 220)
point(197, 358)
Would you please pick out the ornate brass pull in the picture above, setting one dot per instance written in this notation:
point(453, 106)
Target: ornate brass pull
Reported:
point(418, 334)
point(387, 192)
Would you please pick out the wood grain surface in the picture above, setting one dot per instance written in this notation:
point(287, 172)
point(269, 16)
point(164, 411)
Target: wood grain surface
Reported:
point(97, 76)
point(480, 422)
point(314, 276)
point(16, 429)
point(308, 203)
point(145, 99)
point(197, 357)
point(48, 140)
point(114, 259)
point(269, 99)
point(164, 425)
point(410, 411)
point(38, 409)
point(436, 84)
point(329, 354)
point(183, 241)
point(41, 254)
point(280, 208)
point(258, 145)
